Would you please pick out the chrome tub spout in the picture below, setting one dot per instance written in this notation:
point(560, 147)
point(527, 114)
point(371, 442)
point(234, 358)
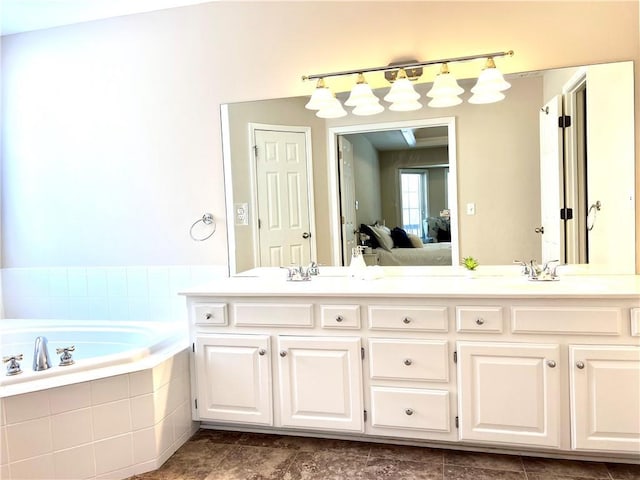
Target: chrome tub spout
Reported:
point(41, 359)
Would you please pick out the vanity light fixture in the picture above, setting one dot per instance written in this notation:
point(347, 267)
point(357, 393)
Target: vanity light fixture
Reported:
point(402, 96)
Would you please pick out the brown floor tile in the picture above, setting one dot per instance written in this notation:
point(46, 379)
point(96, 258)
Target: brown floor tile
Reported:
point(216, 436)
point(325, 465)
point(567, 468)
point(454, 472)
point(620, 471)
point(253, 463)
point(396, 469)
point(483, 460)
point(406, 453)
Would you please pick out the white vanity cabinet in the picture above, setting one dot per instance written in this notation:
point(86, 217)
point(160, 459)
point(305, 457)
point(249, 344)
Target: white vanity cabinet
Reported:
point(605, 397)
point(509, 393)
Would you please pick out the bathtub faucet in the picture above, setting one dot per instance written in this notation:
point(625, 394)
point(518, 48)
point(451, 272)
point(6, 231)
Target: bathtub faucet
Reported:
point(41, 359)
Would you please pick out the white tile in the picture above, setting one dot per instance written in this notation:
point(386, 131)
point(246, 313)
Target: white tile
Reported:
point(77, 280)
point(25, 282)
point(79, 308)
point(144, 445)
point(138, 308)
point(70, 397)
point(161, 402)
point(97, 282)
point(29, 439)
point(27, 406)
point(4, 452)
point(58, 284)
point(158, 278)
point(111, 419)
point(77, 463)
point(137, 282)
point(181, 364)
point(36, 467)
point(118, 474)
point(109, 389)
point(160, 309)
point(140, 382)
point(33, 307)
point(71, 429)
point(179, 279)
point(4, 472)
point(118, 308)
point(142, 411)
point(162, 373)
point(59, 307)
point(98, 308)
point(181, 418)
point(117, 282)
point(140, 468)
point(3, 420)
point(113, 454)
point(178, 390)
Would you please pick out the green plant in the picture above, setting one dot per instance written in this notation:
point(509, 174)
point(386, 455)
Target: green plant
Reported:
point(470, 263)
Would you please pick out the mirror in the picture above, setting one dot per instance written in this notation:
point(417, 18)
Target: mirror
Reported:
point(504, 196)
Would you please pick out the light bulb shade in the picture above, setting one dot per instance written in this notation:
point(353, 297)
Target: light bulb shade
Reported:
point(486, 97)
point(405, 106)
point(361, 94)
point(368, 109)
point(490, 80)
point(442, 102)
point(332, 110)
point(402, 90)
point(445, 85)
point(320, 97)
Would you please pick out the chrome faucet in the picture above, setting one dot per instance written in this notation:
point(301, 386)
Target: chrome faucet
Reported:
point(41, 359)
point(301, 274)
point(537, 272)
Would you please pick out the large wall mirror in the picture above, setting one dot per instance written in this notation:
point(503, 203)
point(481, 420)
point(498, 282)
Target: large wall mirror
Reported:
point(499, 182)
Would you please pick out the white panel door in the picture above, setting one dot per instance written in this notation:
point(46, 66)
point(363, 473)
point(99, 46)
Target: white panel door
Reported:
point(551, 181)
point(283, 198)
point(347, 198)
point(509, 393)
point(321, 383)
point(605, 398)
point(234, 378)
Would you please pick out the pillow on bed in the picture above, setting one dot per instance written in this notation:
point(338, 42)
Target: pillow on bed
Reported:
point(400, 238)
point(415, 240)
point(384, 238)
point(444, 235)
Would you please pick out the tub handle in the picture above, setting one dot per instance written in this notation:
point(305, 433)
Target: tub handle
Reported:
point(14, 367)
point(65, 358)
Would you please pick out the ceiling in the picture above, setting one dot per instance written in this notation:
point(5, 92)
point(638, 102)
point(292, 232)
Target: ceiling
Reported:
point(18, 16)
point(407, 138)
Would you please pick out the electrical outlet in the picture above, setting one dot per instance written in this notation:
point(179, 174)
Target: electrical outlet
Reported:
point(241, 213)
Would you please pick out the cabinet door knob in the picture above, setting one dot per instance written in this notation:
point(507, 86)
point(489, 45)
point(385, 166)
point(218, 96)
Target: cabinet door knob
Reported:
point(580, 364)
point(339, 318)
point(283, 353)
point(208, 316)
point(262, 351)
point(551, 363)
point(406, 320)
point(409, 411)
point(479, 321)
point(408, 362)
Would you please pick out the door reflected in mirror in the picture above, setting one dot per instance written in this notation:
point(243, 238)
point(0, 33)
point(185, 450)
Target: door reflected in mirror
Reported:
point(506, 186)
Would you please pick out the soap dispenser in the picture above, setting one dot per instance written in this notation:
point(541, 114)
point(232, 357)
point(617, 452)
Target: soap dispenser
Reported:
point(357, 265)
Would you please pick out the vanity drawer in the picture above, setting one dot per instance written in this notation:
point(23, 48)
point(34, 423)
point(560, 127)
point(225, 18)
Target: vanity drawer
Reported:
point(418, 360)
point(340, 316)
point(635, 322)
point(479, 319)
point(273, 314)
point(562, 320)
point(410, 408)
point(209, 313)
point(426, 319)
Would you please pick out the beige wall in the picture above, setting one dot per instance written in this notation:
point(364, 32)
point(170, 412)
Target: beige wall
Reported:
point(111, 129)
point(366, 169)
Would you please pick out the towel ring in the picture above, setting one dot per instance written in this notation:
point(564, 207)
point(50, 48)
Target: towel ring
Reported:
point(591, 215)
point(207, 219)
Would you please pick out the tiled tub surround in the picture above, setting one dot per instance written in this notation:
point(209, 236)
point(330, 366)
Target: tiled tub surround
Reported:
point(109, 428)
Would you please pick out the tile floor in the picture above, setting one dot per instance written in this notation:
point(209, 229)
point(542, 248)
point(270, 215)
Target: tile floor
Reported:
point(218, 455)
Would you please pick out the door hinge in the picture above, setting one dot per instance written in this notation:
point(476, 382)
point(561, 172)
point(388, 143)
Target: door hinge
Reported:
point(195, 401)
point(365, 416)
point(455, 357)
point(362, 353)
point(566, 213)
point(193, 347)
point(259, 224)
point(255, 150)
point(457, 422)
point(564, 121)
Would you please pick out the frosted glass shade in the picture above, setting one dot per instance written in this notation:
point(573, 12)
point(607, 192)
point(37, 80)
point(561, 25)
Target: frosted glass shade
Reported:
point(445, 85)
point(361, 94)
point(333, 109)
point(406, 106)
point(368, 109)
point(486, 97)
point(490, 80)
point(441, 102)
point(320, 97)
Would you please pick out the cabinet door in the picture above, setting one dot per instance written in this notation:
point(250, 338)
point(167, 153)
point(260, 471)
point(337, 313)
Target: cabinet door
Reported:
point(509, 393)
point(321, 382)
point(234, 378)
point(605, 397)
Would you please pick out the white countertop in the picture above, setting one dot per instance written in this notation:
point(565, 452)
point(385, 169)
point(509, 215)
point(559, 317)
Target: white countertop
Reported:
point(420, 282)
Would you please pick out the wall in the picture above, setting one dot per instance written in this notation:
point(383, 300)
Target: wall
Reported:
point(366, 172)
point(111, 133)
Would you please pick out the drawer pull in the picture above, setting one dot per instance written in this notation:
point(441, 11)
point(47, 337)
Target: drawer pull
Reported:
point(262, 351)
point(479, 321)
point(283, 353)
point(580, 364)
point(406, 320)
point(339, 318)
point(408, 362)
point(208, 315)
point(409, 411)
point(551, 363)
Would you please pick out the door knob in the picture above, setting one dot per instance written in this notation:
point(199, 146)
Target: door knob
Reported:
point(306, 235)
point(551, 363)
point(262, 351)
point(283, 353)
point(539, 230)
point(580, 364)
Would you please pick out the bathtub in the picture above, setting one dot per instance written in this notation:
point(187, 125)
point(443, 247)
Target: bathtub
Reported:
point(126, 399)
